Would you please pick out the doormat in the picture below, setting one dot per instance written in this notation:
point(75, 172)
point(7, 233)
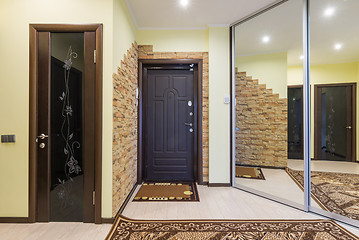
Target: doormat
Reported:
point(334, 192)
point(167, 192)
point(125, 228)
point(249, 172)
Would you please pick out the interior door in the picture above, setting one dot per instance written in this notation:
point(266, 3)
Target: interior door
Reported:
point(170, 125)
point(295, 122)
point(335, 122)
point(66, 113)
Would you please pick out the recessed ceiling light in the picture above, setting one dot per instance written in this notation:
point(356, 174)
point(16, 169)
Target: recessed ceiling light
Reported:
point(329, 11)
point(301, 57)
point(265, 39)
point(338, 46)
point(184, 3)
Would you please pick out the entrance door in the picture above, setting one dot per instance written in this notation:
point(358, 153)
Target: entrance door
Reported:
point(170, 124)
point(66, 127)
point(335, 122)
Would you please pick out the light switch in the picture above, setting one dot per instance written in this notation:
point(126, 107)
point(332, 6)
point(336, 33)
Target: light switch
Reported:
point(8, 138)
point(227, 99)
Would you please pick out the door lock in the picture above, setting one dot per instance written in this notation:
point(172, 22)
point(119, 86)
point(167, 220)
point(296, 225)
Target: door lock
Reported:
point(42, 145)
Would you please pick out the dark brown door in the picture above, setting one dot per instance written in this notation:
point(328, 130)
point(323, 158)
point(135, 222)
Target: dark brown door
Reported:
point(66, 117)
point(335, 120)
point(170, 124)
point(295, 122)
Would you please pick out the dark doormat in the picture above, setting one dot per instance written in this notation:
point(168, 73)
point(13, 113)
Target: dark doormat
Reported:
point(249, 172)
point(334, 192)
point(167, 192)
point(125, 228)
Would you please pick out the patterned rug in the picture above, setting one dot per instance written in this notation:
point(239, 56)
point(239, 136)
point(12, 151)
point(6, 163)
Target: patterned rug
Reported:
point(125, 228)
point(167, 192)
point(334, 192)
point(249, 172)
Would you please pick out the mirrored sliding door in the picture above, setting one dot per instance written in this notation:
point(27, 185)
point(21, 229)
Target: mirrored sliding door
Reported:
point(295, 105)
point(334, 75)
point(268, 60)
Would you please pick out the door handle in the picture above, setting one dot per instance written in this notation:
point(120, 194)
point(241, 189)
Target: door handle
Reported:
point(41, 136)
point(188, 124)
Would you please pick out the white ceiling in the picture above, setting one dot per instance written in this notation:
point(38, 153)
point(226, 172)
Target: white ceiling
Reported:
point(284, 26)
point(169, 14)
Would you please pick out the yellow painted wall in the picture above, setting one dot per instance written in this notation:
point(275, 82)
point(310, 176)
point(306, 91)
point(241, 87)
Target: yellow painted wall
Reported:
point(219, 112)
point(269, 69)
point(327, 73)
point(174, 40)
point(15, 17)
point(124, 31)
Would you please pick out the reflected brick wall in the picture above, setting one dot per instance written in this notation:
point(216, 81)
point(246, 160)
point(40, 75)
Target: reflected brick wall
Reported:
point(261, 122)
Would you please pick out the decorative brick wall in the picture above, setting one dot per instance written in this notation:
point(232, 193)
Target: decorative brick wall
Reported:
point(146, 52)
point(124, 146)
point(261, 122)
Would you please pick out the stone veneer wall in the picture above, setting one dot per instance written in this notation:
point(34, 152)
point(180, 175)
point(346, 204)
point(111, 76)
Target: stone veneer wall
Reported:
point(124, 146)
point(261, 122)
point(146, 52)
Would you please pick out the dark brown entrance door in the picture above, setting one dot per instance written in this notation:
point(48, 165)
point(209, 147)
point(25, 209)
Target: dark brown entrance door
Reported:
point(66, 127)
point(170, 124)
point(335, 118)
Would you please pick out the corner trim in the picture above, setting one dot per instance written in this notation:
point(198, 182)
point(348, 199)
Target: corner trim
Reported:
point(127, 200)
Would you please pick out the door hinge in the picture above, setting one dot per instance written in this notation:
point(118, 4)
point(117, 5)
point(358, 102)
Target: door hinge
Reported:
point(94, 56)
point(93, 198)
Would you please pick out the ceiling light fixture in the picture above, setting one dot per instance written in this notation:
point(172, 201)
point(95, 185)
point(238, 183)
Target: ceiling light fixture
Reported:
point(301, 57)
point(265, 39)
point(338, 46)
point(329, 11)
point(184, 3)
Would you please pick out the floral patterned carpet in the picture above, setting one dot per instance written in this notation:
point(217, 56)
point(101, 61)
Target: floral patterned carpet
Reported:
point(125, 228)
point(334, 192)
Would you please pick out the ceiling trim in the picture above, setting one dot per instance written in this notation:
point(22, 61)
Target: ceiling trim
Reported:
point(131, 12)
point(172, 28)
point(218, 25)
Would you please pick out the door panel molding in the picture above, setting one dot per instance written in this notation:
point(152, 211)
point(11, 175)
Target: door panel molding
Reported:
point(43, 180)
point(143, 65)
point(317, 120)
point(34, 30)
